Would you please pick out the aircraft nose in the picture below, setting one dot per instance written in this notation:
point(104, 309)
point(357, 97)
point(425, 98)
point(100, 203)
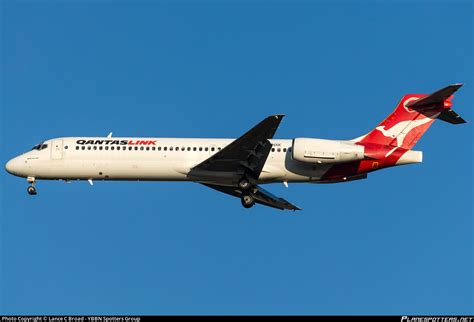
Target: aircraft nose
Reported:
point(13, 166)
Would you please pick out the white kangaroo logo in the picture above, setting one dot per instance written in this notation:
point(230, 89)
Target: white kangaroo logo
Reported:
point(400, 130)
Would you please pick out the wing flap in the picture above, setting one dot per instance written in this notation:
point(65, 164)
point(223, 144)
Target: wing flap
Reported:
point(260, 195)
point(264, 197)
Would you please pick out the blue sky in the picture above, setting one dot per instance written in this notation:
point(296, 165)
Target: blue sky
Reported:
point(400, 242)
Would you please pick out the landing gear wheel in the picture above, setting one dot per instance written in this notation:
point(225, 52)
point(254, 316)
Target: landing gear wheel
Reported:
point(31, 190)
point(244, 184)
point(247, 201)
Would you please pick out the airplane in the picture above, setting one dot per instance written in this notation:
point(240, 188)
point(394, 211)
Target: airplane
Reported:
point(238, 167)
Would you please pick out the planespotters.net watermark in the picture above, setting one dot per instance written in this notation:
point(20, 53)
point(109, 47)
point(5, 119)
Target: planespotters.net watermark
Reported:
point(437, 319)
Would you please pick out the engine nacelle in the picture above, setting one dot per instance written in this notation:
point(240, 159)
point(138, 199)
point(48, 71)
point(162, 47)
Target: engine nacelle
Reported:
point(326, 151)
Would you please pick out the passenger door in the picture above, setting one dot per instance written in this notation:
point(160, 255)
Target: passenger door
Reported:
point(57, 149)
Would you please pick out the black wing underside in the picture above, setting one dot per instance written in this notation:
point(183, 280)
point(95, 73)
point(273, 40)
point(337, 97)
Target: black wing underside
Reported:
point(244, 157)
point(247, 154)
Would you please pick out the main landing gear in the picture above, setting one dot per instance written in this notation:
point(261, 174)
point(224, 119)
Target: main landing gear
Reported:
point(31, 189)
point(244, 184)
point(247, 199)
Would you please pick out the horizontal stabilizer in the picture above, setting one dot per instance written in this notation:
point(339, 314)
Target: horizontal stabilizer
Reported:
point(448, 115)
point(435, 99)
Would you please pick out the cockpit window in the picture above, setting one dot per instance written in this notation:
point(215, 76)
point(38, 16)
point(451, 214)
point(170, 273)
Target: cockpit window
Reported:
point(40, 147)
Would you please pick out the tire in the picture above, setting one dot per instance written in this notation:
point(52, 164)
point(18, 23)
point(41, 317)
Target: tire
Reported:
point(31, 190)
point(247, 201)
point(244, 184)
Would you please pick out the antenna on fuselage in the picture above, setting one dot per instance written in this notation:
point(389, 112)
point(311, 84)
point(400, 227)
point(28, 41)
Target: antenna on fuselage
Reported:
point(109, 136)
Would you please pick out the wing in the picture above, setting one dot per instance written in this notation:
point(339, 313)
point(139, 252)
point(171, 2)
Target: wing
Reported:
point(260, 196)
point(245, 155)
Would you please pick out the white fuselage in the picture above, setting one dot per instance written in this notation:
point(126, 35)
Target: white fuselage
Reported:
point(154, 159)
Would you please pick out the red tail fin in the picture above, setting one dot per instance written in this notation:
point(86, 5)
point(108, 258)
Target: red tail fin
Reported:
point(412, 117)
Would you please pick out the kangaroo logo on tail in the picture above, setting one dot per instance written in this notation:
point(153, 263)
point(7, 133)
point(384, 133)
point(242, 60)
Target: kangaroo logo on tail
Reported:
point(412, 117)
point(401, 129)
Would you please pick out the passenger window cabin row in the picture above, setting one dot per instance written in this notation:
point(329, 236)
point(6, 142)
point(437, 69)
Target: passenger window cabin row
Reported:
point(143, 148)
point(159, 148)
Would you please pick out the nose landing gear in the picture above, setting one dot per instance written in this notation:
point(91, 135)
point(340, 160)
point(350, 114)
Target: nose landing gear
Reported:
point(31, 189)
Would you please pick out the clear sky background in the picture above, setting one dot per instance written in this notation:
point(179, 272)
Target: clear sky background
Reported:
point(399, 242)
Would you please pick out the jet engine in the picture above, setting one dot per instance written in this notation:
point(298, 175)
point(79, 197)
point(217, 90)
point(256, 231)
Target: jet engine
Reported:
point(326, 151)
